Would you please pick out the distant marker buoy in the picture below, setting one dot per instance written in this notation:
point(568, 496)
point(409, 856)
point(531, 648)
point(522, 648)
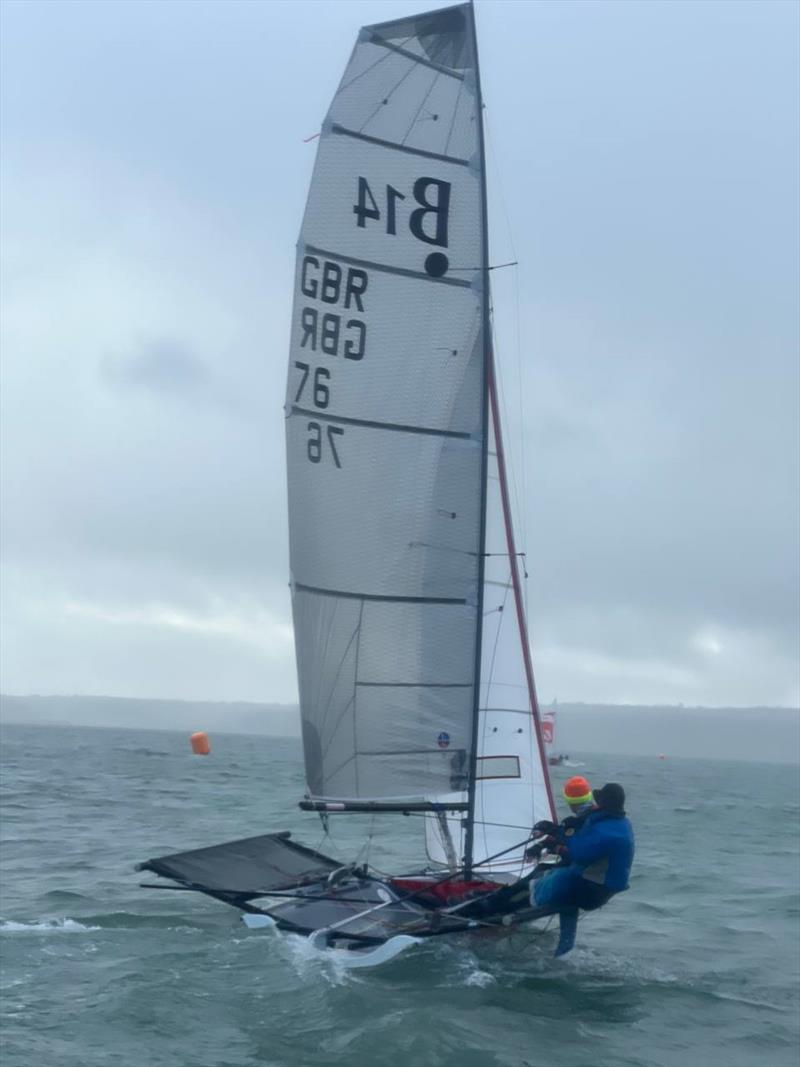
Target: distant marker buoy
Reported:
point(661, 755)
point(200, 743)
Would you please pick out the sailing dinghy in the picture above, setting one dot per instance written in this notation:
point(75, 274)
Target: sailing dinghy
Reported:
point(416, 687)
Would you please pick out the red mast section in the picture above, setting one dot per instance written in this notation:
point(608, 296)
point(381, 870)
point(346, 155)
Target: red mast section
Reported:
point(512, 555)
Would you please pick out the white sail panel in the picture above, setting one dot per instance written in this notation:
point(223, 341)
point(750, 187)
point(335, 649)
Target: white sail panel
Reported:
point(506, 805)
point(384, 420)
point(512, 790)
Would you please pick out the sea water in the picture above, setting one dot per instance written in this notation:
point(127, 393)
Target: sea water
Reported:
point(697, 965)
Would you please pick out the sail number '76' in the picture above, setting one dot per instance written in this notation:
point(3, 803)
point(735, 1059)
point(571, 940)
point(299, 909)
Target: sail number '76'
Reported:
point(331, 333)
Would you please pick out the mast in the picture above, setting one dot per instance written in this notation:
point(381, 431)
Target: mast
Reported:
point(469, 840)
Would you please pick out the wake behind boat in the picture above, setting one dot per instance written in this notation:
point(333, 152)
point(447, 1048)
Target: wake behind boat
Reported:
point(416, 685)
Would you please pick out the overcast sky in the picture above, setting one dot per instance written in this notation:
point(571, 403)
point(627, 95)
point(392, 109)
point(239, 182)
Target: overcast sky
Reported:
point(154, 175)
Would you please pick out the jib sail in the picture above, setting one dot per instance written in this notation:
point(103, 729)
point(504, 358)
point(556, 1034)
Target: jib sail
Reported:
point(512, 788)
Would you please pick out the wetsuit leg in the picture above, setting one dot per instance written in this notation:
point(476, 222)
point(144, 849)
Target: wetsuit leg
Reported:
point(561, 889)
point(558, 887)
point(568, 927)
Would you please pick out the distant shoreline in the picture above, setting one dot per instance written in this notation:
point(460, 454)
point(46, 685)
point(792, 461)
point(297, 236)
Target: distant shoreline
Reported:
point(765, 734)
point(582, 754)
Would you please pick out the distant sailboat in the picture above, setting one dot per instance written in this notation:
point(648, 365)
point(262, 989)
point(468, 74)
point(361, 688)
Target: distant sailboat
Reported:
point(416, 686)
point(549, 735)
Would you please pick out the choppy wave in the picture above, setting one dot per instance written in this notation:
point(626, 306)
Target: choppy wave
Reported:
point(162, 978)
point(45, 926)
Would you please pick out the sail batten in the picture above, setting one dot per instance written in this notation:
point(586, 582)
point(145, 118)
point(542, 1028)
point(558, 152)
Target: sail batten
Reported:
point(336, 128)
point(417, 685)
point(352, 594)
point(388, 268)
point(394, 427)
point(376, 38)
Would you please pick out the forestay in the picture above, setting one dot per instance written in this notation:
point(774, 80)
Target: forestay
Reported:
point(384, 414)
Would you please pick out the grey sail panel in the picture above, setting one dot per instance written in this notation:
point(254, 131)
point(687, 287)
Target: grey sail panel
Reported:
point(384, 419)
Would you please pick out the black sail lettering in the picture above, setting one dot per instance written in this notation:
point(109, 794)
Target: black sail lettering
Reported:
point(309, 323)
point(329, 334)
point(331, 282)
point(354, 345)
point(356, 287)
point(439, 209)
point(308, 286)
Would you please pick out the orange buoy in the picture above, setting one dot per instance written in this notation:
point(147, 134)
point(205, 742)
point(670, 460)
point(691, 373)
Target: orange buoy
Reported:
point(200, 744)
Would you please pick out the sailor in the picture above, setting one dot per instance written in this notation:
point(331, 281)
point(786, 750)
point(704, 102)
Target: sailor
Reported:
point(578, 795)
point(599, 856)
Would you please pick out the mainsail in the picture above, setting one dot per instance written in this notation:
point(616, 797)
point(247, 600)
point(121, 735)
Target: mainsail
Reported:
point(412, 660)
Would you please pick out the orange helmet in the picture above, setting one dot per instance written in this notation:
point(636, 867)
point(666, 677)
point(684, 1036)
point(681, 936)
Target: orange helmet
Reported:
point(577, 791)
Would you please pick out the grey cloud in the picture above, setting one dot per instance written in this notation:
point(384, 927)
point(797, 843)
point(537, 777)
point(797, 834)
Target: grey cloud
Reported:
point(161, 364)
point(150, 227)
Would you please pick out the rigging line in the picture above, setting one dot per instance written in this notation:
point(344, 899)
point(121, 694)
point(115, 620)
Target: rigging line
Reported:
point(523, 463)
point(355, 691)
point(499, 180)
point(503, 825)
point(324, 718)
point(436, 77)
point(381, 59)
point(326, 837)
point(510, 462)
point(437, 827)
point(341, 765)
point(520, 443)
point(518, 344)
point(335, 730)
point(386, 99)
point(341, 661)
point(516, 445)
point(501, 616)
point(318, 694)
point(365, 848)
point(496, 266)
point(455, 112)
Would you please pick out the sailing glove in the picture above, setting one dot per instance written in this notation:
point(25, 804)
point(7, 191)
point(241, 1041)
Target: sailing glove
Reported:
point(535, 851)
point(545, 826)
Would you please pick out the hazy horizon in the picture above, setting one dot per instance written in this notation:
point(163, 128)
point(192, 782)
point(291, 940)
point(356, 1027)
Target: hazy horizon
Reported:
point(555, 703)
point(763, 734)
